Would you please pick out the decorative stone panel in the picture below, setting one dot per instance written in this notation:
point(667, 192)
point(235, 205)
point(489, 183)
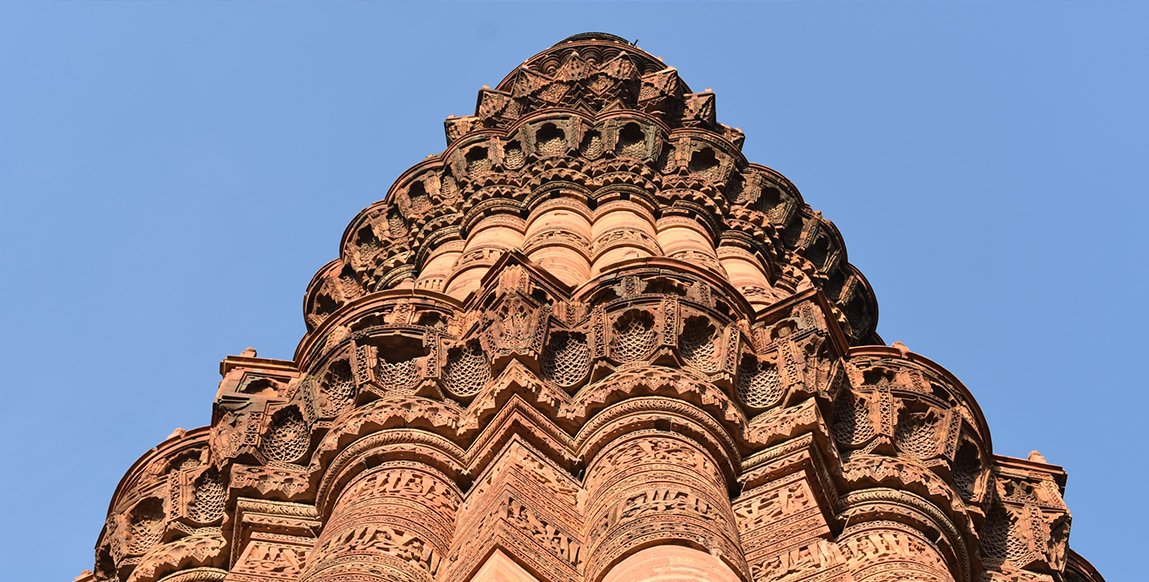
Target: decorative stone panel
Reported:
point(589, 342)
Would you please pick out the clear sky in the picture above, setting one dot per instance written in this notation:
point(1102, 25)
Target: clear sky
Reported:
point(171, 176)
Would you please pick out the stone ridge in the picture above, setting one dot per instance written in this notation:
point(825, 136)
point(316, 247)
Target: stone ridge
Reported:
point(589, 342)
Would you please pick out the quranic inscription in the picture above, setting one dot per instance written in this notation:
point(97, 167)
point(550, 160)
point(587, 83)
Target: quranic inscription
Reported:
point(589, 342)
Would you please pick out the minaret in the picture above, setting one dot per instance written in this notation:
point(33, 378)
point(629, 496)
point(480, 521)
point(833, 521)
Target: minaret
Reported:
point(589, 342)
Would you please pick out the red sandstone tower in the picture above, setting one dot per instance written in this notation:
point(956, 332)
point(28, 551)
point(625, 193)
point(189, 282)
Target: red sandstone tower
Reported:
point(589, 342)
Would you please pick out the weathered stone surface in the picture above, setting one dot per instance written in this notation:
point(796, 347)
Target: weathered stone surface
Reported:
point(589, 342)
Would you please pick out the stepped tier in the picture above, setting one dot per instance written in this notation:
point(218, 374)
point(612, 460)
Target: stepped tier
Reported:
point(589, 342)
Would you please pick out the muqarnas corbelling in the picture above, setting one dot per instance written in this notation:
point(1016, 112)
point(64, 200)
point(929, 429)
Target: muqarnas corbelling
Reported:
point(589, 342)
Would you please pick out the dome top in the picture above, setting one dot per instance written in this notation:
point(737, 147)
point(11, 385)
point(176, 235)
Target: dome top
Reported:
point(594, 36)
point(584, 55)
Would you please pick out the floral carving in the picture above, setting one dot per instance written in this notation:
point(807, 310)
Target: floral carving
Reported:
point(589, 329)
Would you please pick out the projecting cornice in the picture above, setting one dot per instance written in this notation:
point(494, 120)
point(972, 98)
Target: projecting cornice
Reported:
point(588, 336)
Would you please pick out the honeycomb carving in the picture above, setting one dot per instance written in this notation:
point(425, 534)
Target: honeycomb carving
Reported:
point(566, 361)
point(288, 437)
point(398, 375)
point(632, 141)
point(591, 146)
point(684, 356)
point(1001, 539)
point(699, 343)
point(466, 370)
point(338, 387)
point(513, 157)
point(478, 162)
point(634, 336)
point(966, 469)
point(917, 432)
point(208, 499)
point(146, 525)
point(551, 141)
point(759, 384)
point(850, 420)
point(396, 365)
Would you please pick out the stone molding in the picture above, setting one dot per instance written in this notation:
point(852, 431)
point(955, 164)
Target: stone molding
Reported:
point(589, 342)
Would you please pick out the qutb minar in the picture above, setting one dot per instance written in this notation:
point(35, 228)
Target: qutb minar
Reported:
point(589, 342)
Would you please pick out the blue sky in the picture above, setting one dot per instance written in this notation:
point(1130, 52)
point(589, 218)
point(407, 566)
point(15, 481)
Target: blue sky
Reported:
point(171, 176)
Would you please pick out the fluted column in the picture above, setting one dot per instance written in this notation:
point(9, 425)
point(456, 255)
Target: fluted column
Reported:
point(438, 266)
point(671, 564)
point(487, 240)
point(683, 238)
point(654, 488)
point(622, 230)
point(747, 273)
point(880, 550)
point(558, 237)
point(393, 522)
